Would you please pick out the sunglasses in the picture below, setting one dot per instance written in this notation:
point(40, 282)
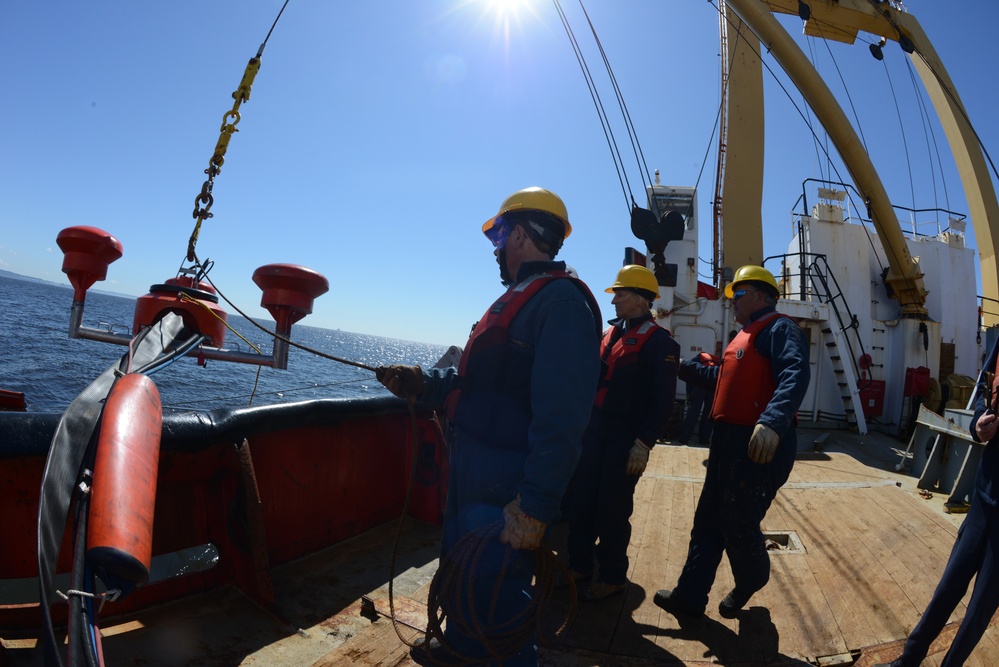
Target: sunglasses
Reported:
point(738, 294)
point(498, 233)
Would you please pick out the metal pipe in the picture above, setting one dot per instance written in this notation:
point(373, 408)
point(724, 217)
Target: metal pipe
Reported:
point(88, 333)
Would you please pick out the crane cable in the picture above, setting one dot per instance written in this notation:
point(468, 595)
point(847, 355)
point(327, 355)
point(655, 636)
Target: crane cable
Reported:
point(204, 199)
point(811, 129)
point(909, 47)
point(605, 124)
point(636, 148)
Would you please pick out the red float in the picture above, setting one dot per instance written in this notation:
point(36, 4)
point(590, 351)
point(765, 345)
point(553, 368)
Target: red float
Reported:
point(123, 497)
point(289, 291)
point(87, 252)
point(203, 314)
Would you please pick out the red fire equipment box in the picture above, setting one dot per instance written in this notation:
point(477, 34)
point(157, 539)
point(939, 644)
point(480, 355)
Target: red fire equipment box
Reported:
point(917, 381)
point(872, 397)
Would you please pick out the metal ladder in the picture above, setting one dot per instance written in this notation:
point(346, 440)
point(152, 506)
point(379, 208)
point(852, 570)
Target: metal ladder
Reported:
point(836, 335)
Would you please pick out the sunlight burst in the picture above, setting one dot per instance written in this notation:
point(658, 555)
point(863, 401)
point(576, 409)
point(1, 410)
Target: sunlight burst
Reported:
point(509, 15)
point(506, 10)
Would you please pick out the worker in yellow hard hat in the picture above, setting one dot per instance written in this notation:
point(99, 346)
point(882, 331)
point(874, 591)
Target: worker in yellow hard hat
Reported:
point(519, 399)
point(632, 409)
point(758, 388)
point(753, 276)
point(542, 217)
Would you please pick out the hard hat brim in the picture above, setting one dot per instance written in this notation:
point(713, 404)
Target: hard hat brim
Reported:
point(491, 222)
point(759, 284)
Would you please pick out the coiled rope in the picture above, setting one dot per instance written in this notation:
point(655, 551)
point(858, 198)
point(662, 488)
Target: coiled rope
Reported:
point(454, 583)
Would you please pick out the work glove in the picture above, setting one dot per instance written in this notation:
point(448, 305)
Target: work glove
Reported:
point(521, 531)
point(638, 458)
point(763, 444)
point(985, 427)
point(403, 381)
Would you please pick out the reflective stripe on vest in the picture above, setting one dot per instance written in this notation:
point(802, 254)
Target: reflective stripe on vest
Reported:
point(745, 381)
point(624, 351)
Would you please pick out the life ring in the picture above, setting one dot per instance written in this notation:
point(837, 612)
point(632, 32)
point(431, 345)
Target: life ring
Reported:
point(123, 496)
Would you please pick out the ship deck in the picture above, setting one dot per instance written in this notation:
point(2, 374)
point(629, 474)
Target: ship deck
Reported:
point(865, 552)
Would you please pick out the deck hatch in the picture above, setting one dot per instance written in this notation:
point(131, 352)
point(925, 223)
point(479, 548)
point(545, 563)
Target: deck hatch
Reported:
point(783, 542)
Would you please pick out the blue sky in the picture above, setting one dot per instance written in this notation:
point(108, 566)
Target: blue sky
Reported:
point(381, 134)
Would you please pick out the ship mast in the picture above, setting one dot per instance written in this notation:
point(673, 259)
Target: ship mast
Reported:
point(717, 259)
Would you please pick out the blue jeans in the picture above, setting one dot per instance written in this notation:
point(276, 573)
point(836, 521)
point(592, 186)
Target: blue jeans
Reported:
point(495, 586)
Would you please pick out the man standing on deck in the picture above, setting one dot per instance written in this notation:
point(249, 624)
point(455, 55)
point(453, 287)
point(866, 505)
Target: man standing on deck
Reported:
point(758, 387)
point(976, 551)
point(632, 408)
point(699, 402)
point(520, 400)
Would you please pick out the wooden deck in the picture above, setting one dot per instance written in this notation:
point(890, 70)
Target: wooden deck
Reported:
point(872, 551)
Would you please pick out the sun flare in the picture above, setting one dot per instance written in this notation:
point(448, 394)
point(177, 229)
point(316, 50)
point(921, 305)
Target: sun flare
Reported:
point(507, 9)
point(509, 16)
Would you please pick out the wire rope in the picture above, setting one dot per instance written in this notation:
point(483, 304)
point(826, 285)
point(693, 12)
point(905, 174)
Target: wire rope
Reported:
point(931, 138)
point(598, 104)
point(943, 86)
point(784, 89)
point(905, 141)
point(629, 125)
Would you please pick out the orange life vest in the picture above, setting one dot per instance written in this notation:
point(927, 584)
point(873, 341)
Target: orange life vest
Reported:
point(745, 381)
point(622, 352)
point(485, 352)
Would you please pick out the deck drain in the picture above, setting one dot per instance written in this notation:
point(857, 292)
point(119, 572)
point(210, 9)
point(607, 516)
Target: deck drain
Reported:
point(783, 542)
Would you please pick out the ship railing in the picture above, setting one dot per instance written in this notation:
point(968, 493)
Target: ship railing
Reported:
point(915, 223)
point(990, 309)
point(816, 280)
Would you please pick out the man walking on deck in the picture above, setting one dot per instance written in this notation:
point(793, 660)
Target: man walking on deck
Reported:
point(758, 387)
point(520, 400)
point(975, 551)
point(632, 408)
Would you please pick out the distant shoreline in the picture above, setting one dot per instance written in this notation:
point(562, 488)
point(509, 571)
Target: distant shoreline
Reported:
point(30, 279)
point(264, 321)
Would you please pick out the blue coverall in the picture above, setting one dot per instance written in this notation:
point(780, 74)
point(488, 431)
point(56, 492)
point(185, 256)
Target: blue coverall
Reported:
point(698, 414)
point(555, 336)
point(638, 404)
point(737, 491)
point(976, 552)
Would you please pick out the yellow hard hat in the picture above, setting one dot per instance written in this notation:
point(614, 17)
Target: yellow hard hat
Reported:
point(752, 273)
point(533, 198)
point(633, 276)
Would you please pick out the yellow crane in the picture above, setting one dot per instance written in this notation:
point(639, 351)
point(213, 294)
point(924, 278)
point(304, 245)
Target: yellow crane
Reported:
point(754, 23)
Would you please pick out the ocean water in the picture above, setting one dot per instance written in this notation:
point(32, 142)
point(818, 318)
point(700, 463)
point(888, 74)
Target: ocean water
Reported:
point(38, 358)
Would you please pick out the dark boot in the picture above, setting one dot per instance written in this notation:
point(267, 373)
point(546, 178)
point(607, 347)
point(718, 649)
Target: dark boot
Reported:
point(666, 599)
point(733, 602)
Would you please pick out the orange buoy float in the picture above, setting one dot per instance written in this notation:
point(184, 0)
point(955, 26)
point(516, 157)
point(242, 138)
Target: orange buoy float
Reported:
point(123, 497)
point(87, 253)
point(201, 313)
